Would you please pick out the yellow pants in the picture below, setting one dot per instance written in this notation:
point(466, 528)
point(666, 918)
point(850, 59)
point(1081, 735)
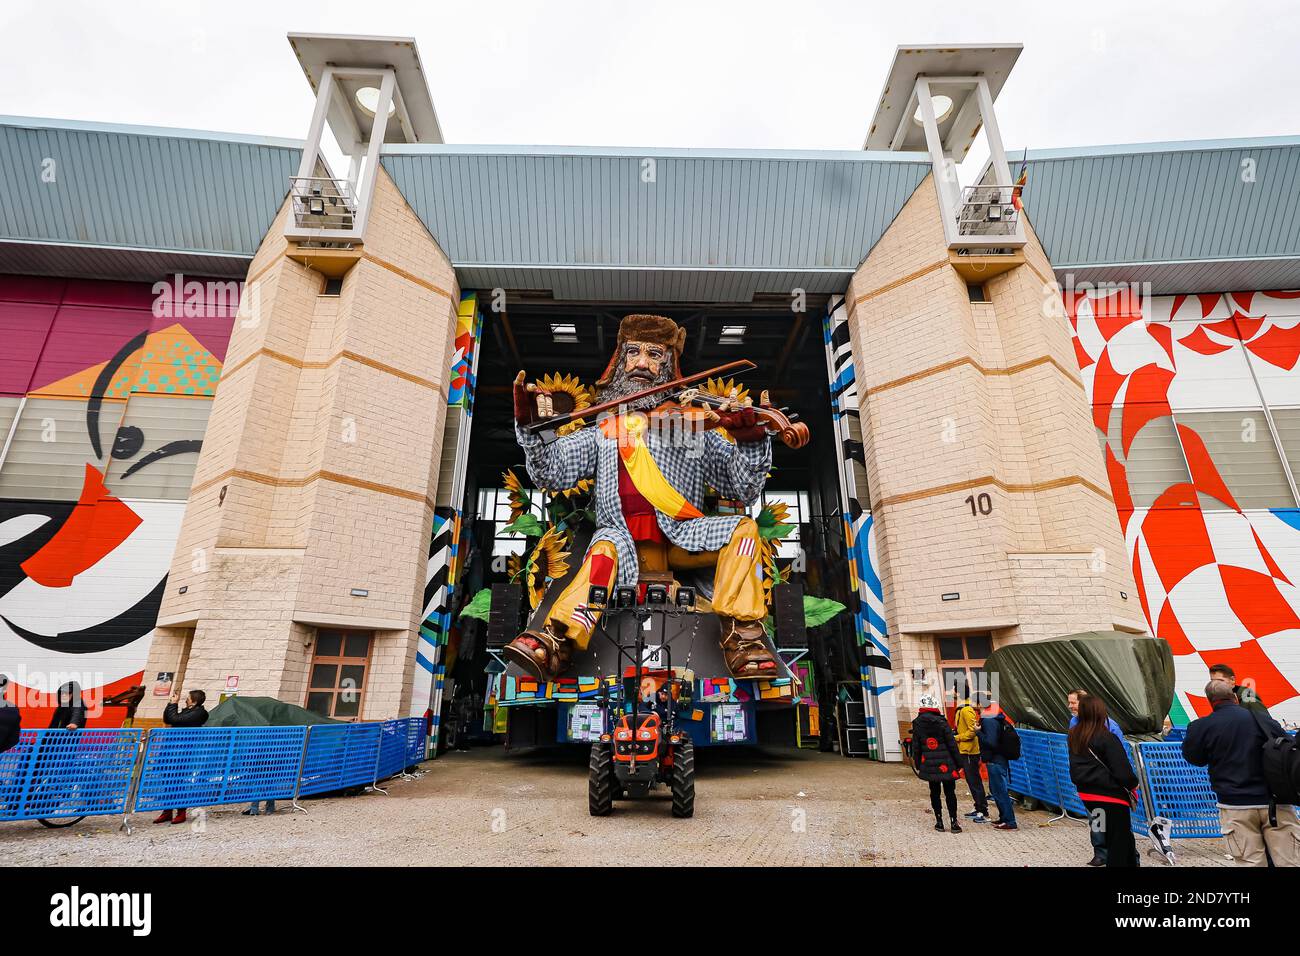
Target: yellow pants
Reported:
point(737, 588)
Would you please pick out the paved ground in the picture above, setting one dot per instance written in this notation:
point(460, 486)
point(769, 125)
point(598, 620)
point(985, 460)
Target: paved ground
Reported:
point(777, 807)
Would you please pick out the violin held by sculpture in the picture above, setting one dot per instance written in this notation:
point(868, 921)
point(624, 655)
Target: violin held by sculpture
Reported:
point(694, 405)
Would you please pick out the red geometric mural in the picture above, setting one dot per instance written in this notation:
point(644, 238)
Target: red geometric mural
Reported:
point(1214, 579)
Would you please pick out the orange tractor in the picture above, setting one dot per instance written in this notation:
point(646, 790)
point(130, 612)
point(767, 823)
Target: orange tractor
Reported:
point(643, 748)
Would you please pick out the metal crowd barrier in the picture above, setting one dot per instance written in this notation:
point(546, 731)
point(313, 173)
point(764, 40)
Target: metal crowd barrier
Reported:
point(58, 773)
point(1178, 790)
point(50, 774)
point(1167, 783)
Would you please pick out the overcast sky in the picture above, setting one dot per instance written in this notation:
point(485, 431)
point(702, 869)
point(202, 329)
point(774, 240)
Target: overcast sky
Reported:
point(790, 75)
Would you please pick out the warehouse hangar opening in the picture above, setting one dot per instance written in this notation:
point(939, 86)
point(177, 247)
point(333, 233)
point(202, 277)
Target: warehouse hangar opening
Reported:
point(568, 345)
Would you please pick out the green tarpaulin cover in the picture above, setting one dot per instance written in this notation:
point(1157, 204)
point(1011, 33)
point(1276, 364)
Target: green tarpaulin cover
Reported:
point(262, 712)
point(1133, 675)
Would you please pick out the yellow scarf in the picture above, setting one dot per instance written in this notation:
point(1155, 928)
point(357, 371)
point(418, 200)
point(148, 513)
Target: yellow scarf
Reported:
point(643, 469)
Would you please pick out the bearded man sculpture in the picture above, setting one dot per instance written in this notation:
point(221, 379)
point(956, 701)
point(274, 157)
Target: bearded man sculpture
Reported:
point(649, 500)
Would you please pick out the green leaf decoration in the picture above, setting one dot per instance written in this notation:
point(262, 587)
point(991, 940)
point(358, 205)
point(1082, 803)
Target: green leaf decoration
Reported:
point(769, 626)
point(774, 530)
point(526, 525)
point(480, 606)
point(817, 611)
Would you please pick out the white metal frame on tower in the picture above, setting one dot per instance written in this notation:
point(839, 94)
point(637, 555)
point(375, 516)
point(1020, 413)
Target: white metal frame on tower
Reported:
point(986, 215)
point(362, 151)
point(953, 199)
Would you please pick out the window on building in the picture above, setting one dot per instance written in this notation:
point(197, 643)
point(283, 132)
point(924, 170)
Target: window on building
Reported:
point(1155, 463)
point(160, 423)
point(336, 680)
point(51, 447)
point(8, 409)
point(1241, 446)
point(797, 512)
point(1287, 421)
point(961, 665)
point(494, 506)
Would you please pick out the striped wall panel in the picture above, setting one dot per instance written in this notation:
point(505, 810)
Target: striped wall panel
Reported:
point(446, 541)
point(868, 605)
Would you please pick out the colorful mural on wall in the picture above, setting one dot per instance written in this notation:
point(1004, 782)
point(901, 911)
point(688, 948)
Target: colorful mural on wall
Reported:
point(104, 399)
point(443, 570)
point(1197, 401)
point(860, 540)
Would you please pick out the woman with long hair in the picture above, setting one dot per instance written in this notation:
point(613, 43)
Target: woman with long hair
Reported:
point(1100, 769)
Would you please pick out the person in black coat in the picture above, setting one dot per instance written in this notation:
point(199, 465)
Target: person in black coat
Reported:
point(1229, 740)
point(936, 759)
point(1100, 769)
point(193, 714)
point(70, 714)
point(11, 718)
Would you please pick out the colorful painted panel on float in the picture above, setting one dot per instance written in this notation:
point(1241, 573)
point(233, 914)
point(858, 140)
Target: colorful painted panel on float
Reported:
point(104, 398)
point(1197, 402)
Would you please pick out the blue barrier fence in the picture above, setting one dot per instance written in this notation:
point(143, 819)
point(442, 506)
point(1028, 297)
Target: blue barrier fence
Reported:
point(50, 774)
point(59, 773)
point(1174, 788)
point(1179, 790)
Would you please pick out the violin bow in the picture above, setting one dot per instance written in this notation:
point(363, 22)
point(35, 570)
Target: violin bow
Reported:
point(547, 427)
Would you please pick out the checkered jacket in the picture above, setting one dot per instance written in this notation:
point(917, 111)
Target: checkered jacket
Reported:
point(689, 462)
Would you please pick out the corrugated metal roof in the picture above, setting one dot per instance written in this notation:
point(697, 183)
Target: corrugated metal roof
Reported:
point(126, 189)
point(107, 262)
point(1187, 217)
point(711, 226)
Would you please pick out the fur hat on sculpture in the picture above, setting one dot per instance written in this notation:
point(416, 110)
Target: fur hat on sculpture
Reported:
point(647, 328)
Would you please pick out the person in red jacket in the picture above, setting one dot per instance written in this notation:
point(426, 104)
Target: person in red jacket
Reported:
point(936, 759)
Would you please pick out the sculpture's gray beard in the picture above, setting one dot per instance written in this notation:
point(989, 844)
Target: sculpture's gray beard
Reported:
point(621, 384)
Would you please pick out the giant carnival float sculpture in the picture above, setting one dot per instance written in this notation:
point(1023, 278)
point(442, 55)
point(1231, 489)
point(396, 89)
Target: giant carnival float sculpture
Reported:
point(654, 475)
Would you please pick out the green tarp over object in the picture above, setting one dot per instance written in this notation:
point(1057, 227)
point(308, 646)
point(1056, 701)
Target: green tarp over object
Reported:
point(1133, 675)
point(262, 712)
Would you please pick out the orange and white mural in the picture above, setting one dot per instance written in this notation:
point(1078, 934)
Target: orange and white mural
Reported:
point(1196, 400)
point(104, 400)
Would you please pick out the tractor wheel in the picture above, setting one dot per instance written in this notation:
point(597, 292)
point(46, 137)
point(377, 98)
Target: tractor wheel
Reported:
point(683, 779)
point(600, 780)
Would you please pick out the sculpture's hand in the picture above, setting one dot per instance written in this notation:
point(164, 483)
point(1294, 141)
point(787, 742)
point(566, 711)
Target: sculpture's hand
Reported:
point(527, 398)
point(742, 424)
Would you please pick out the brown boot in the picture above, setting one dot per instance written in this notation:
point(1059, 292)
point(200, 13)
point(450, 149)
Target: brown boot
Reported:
point(745, 650)
point(541, 652)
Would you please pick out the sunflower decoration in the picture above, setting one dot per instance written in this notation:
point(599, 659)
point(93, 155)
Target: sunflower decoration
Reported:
point(549, 561)
point(515, 567)
point(583, 486)
point(725, 389)
point(568, 394)
point(521, 502)
point(773, 524)
point(728, 388)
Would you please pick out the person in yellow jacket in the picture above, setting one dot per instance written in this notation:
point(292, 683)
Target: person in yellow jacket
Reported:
point(968, 749)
